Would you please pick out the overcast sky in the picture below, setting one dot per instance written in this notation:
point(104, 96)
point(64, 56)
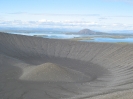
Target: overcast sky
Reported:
point(78, 14)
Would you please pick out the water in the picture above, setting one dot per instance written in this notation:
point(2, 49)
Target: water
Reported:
point(60, 35)
point(111, 40)
point(54, 35)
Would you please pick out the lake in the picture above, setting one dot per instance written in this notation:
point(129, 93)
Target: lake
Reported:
point(60, 35)
point(111, 40)
point(54, 35)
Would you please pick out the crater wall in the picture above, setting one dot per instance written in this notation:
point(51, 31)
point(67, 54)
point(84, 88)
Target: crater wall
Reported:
point(104, 67)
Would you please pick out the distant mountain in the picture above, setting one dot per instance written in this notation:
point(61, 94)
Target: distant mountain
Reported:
point(89, 32)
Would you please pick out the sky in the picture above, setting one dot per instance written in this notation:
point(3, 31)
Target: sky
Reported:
point(70, 14)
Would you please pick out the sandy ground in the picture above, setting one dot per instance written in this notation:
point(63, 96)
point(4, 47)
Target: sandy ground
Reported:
point(38, 68)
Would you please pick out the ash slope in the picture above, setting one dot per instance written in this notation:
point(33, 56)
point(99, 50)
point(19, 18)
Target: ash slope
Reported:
point(87, 69)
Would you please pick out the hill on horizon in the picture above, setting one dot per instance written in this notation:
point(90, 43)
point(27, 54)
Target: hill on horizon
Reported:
point(89, 32)
point(86, 31)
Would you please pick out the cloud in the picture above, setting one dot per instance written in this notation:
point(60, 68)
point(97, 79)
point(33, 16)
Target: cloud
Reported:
point(129, 1)
point(46, 23)
point(53, 14)
point(16, 13)
point(65, 24)
point(122, 16)
point(66, 14)
point(103, 18)
point(126, 1)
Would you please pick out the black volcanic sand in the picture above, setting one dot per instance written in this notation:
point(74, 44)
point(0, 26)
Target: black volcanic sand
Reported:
point(38, 68)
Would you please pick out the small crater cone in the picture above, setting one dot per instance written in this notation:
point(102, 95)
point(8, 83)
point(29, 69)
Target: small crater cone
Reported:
point(53, 73)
